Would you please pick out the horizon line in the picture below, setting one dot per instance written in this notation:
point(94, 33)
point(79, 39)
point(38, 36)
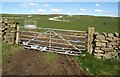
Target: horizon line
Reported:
point(60, 14)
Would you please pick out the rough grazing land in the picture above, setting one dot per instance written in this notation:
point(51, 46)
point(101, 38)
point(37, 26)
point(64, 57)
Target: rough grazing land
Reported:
point(29, 62)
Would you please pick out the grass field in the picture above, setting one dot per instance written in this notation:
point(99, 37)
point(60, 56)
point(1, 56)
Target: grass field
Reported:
point(77, 22)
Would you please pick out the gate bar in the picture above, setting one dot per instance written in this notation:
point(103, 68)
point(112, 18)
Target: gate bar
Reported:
point(63, 30)
point(66, 41)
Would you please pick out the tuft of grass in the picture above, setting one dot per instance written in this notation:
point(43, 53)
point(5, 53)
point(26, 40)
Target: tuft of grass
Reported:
point(94, 66)
point(50, 57)
point(9, 50)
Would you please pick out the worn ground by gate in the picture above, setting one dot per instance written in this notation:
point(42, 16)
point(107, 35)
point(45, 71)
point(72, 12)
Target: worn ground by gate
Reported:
point(30, 62)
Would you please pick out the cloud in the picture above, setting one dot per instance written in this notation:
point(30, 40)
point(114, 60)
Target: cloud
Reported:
point(97, 5)
point(41, 10)
point(28, 4)
point(98, 10)
point(46, 5)
point(55, 10)
point(82, 10)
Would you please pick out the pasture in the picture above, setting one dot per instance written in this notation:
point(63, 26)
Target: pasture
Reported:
point(76, 22)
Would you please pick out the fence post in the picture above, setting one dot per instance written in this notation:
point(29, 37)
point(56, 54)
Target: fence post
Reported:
point(50, 41)
point(90, 39)
point(17, 33)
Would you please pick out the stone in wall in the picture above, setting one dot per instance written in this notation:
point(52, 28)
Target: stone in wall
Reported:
point(99, 51)
point(101, 41)
point(96, 40)
point(97, 48)
point(116, 38)
point(110, 55)
point(98, 44)
point(109, 46)
point(100, 37)
point(110, 35)
point(104, 41)
point(112, 43)
point(109, 39)
point(105, 34)
point(116, 34)
point(107, 56)
point(118, 51)
point(116, 48)
point(108, 49)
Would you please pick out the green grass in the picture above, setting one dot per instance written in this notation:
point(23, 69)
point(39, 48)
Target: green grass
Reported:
point(50, 57)
point(94, 66)
point(9, 50)
point(101, 24)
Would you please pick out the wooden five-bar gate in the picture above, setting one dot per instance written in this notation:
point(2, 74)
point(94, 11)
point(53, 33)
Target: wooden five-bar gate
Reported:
point(61, 41)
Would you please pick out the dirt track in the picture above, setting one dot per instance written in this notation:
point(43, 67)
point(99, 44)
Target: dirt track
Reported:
point(29, 62)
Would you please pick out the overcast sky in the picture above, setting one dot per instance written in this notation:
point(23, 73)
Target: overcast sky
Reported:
point(79, 8)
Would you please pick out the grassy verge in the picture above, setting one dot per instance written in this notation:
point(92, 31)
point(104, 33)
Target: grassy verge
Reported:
point(94, 66)
point(8, 50)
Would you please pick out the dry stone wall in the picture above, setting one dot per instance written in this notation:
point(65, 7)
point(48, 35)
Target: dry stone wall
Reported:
point(106, 45)
point(8, 31)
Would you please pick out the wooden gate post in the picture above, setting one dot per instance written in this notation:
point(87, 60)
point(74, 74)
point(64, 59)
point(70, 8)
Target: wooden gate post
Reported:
point(90, 39)
point(17, 33)
point(50, 41)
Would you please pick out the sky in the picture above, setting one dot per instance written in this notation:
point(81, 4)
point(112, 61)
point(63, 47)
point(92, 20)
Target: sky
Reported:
point(70, 8)
point(60, 0)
